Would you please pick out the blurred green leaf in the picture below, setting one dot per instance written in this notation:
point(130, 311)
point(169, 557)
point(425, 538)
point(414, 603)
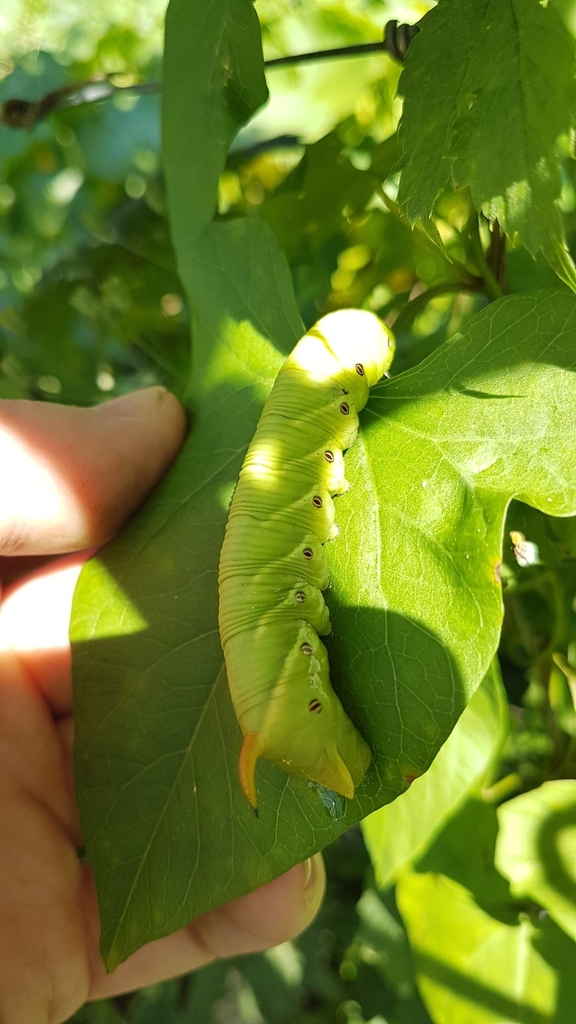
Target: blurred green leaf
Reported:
point(102, 1011)
point(474, 969)
point(64, 29)
point(160, 1002)
point(110, 135)
point(488, 102)
point(400, 832)
point(313, 202)
point(342, 249)
point(464, 851)
point(385, 939)
point(205, 988)
point(536, 849)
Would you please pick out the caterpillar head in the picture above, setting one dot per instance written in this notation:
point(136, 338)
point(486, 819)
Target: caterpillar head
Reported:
point(350, 346)
point(358, 338)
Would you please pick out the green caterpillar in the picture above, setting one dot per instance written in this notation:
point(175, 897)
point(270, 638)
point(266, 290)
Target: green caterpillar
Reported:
point(273, 566)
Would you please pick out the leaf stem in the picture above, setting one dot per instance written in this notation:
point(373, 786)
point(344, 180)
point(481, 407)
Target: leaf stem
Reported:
point(496, 255)
point(493, 288)
point(569, 672)
point(503, 789)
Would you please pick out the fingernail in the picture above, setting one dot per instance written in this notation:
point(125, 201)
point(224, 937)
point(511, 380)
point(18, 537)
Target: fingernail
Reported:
point(134, 403)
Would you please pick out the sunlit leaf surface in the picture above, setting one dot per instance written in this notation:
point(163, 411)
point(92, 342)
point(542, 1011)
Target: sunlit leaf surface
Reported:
point(536, 849)
point(473, 968)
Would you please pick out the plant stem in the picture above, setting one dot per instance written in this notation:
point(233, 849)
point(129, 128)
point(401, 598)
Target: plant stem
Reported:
point(569, 672)
point(503, 789)
point(338, 52)
point(493, 288)
point(496, 255)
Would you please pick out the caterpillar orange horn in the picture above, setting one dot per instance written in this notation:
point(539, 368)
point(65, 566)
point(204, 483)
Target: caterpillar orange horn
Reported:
point(251, 749)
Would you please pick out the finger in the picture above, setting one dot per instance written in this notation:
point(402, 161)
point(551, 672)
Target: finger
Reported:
point(35, 762)
point(34, 623)
point(71, 477)
point(273, 914)
point(14, 567)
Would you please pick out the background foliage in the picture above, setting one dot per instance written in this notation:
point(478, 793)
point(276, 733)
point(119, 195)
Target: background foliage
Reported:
point(478, 854)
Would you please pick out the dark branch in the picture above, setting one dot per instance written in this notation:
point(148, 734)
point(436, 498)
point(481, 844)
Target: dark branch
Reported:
point(19, 113)
point(397, 39)
point(357, 50)
point(27, 113)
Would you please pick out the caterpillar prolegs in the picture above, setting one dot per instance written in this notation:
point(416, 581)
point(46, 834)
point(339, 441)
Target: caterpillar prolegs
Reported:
point(273, 566)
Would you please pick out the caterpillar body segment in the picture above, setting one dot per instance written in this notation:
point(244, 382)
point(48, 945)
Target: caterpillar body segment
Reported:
point(273, 566)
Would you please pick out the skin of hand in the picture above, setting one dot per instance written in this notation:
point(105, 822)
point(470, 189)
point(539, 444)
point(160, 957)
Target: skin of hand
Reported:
point(70, 479)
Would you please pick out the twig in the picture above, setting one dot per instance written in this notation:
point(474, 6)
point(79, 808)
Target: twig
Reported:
point(18, 113)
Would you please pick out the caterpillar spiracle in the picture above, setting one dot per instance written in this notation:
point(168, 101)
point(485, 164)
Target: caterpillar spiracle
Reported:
point(273, 566)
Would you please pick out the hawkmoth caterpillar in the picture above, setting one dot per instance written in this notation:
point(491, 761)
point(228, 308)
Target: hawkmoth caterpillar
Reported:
point(273, 566)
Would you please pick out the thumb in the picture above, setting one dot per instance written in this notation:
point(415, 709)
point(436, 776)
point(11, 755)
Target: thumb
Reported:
point(71, 477)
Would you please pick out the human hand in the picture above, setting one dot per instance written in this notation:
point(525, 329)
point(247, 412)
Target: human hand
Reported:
point(70, 479)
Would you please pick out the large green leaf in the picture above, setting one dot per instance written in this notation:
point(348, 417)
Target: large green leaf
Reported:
point(415, 601)
point(488, 102)
point(472, 968)
point(399, 832)
point(213, 82)
point(152, 710)
point(536, 849)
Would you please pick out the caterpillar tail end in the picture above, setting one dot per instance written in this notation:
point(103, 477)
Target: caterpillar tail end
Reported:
point(252, 747)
